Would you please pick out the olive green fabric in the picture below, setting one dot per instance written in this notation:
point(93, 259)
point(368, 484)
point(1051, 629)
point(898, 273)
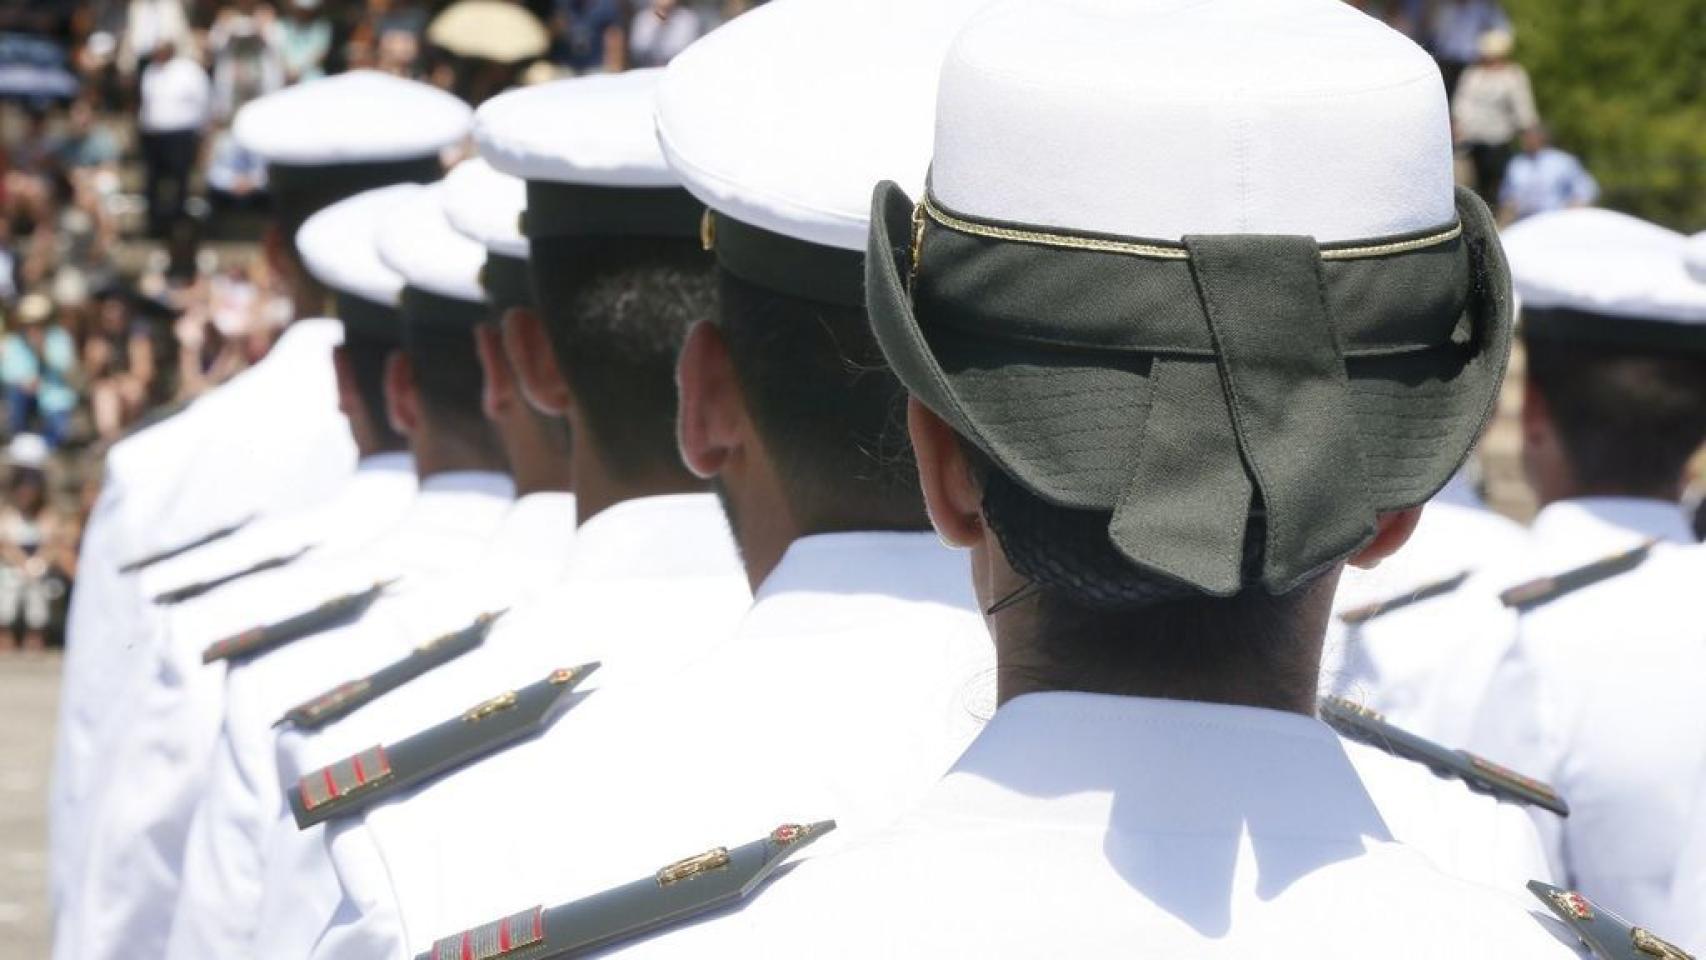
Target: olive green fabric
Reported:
point(807, 271)
point(557, 209)
point(1579, 326)
point(507, 282)
point(369, 319)
point(421, 306)
point(298, 190)
point(1191, 388)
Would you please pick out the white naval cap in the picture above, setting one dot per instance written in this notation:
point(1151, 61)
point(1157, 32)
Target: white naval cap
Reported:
point(419, 243)
point(1161, 118)
point(486, 205)
point(339, 244)
point(1599, 275)
point(1695, 257)
point(358, 117)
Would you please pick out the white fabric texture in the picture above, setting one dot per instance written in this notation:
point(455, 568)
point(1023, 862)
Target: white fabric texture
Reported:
point(652, 584)
point(154, 765)
point(1603, 262)
point(792, 136)
point(270, 440)
point(339, 244)
point(175, 97)
point(1173, 117)
point(486, 206)
point(1080, 825)
point(227, 858)
point(1599, 696)
point(844, 623)
point(594, 130)
point(358, 117)
point(1686, 923)
point(440, 535)
point(418, 242)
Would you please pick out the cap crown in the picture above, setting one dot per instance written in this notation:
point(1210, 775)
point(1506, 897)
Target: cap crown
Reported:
point(486, 206)
point(1605, 263)
point(418, 242)
point(358, 117)
point(595, 131)
point(340, 247)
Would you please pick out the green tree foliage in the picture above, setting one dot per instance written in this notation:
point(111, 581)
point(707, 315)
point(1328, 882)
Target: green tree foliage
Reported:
point(1622, 84)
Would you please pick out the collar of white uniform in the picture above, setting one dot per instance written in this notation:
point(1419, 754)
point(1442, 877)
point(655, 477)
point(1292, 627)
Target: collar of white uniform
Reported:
point(390, 461)
point(488, 483)
point(1174, 767)
point(675, 535)
point(1576, 531)
point(827, 580)
point(546, 517)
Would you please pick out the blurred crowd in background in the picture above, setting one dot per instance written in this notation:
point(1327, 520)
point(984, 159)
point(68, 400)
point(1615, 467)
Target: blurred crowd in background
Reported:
point(131, 279)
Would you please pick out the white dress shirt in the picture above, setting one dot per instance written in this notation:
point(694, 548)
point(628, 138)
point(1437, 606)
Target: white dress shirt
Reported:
point(176, 96)
point(1080, 825)
point(860, 672)
point(270, 440)
point(129, 890)
point(652, 583)
point(1600, 696)
point(225, 859)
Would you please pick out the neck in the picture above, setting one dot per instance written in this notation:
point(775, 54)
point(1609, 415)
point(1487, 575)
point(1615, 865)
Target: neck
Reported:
point(1548, 494)
point(435, 454)
point(597, 488)
point(538, 461)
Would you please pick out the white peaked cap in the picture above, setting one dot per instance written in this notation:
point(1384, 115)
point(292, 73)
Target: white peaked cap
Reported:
point(357, 117)
point(789, 117)
point(1606, 263)
point(1695, 257)
point(1162, 118)
point(594, 130)
point(339, 244)
point(418, 242)
point(486, 206)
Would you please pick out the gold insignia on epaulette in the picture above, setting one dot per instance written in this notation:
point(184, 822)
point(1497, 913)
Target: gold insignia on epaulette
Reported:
point(1507, 776)
point(499, 938)
point(1528, 592)
point(693, 866)
point(1653, 946)
point(562, 675)
point(1361, 710)
point(708, 230)
point(497, 704)
point(231, 645)
point(787, 833)
point(1572, 903)
point(345, 778)
point(332, 699)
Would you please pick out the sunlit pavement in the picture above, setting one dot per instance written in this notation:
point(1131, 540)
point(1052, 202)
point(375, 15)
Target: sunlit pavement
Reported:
point(29, 694)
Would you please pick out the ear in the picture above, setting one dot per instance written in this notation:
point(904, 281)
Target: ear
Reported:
point(273, 243)
point(402, 397)
point(534, 361)
point(712, 408)
point(1536, 417)
point(1391, 532)
point(497, 384)
point(951, 493)
point(349, 395)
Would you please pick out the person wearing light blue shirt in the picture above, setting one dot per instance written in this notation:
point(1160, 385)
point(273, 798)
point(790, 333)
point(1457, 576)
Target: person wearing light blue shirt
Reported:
point(37, 364)
point(1543, 178)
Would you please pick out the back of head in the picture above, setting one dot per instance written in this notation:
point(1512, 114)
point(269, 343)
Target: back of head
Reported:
point(1614, 326)
point(1191, 281)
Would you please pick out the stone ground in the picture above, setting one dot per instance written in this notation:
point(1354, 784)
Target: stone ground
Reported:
point(29, 697)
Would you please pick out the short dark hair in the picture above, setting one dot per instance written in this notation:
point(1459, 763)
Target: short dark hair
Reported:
point(829, 409)
point(1629, 418)
point(617, 310)
point(450, 382)
point(367, 356)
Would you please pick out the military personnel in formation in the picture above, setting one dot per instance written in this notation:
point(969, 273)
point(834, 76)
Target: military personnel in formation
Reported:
point(1599, 692)
point(130, 826)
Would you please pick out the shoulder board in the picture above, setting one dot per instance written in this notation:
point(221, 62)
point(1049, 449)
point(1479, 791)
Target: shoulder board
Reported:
point(678, 892)
point(1606, 934)
point(334, 613)
point(346, 698)
point(190, 591)
point(1356, 722)
point(350, 786)
point(1427, 591)
point(170, 553)
point(1537, 593)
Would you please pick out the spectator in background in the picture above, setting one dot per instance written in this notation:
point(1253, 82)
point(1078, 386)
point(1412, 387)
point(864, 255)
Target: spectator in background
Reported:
point(38, 367)
point(592, 35)
point(148, 26)
point(248, 56)
point(236, 178)
point(305, 38)
point(34, 561)
point(1454, 34)
point(1493, 104)
point(175, 98)
point(85, 146)
point(1542, 178)
point(118, 358)
point(662, 30)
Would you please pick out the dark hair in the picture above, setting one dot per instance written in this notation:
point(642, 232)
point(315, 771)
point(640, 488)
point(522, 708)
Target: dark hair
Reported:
point(448, 376)
point(367, 356)
point(617, 310)
point(1628, 418)
point(829, 409)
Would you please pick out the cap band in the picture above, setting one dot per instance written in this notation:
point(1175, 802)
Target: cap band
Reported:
point(367, 318)
point(422, 306)
point(808, 271)
point(556, 209)
point(1563, 325)
point(507, 281)
point(298, 190)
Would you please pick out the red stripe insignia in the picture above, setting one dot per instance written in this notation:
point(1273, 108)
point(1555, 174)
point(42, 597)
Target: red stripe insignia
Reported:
point(232, 645)
point(330, 700)
point(500, 938)
point(361, 772)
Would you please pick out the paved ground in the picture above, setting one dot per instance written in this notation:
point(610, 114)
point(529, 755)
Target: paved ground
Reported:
point(29, 694)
